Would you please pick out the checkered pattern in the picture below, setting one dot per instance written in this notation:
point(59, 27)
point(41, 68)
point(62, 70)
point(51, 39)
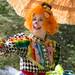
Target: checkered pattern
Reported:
point(8, 50)
point(28, 65)
point(22, 52)
point(24, 63)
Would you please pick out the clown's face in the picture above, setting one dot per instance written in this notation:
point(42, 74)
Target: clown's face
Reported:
point(37, 25)
point(37, 22)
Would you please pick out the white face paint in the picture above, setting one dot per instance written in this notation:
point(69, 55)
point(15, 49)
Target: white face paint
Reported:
point(37, 22)
point(37, 26)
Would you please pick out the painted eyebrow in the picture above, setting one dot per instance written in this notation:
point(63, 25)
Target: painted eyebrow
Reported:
point(34, 17)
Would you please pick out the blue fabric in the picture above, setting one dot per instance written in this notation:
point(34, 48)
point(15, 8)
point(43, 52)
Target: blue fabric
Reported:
point(39, 48)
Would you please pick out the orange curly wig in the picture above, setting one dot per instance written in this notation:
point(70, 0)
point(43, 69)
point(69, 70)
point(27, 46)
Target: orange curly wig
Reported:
point(50, 24)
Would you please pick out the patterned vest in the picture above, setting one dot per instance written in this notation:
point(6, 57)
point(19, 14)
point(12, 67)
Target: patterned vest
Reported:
point(36, 54)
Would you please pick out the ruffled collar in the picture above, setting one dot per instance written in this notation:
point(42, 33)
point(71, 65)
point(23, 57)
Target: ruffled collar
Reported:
point(38, 39)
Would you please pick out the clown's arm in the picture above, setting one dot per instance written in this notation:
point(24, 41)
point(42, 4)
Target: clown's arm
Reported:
point(17, 44)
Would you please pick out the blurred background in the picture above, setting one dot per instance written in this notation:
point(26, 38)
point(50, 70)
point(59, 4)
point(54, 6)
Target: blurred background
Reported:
point(11, 23)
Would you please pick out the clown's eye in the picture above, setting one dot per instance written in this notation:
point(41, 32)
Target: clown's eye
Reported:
point(34, 19)
point(40, 19)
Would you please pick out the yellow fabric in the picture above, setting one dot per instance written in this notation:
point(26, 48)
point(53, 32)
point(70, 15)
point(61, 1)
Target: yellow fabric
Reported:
point(59, 69)
point(51, 73)
point(37, 64)
point(29, 56)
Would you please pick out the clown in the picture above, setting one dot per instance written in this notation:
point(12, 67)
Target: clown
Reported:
point(37, 50)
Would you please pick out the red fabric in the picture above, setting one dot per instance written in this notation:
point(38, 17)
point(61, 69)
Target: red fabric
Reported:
point(27, 73)
point(32, 73)
point(41, 73)
point(1, 46)
point(33, 54)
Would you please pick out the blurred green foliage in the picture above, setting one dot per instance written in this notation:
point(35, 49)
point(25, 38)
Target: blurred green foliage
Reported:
point(9, 60)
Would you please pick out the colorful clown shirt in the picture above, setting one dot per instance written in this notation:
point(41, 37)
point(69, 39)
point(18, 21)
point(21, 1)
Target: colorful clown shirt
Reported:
point(35, 54)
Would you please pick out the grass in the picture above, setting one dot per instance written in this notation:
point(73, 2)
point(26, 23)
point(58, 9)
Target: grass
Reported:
point(9, 60)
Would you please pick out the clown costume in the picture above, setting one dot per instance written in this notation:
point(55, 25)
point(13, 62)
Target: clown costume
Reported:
point(37, 52)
